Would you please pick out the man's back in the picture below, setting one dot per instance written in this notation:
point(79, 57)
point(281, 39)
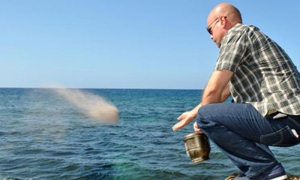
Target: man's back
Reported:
point(264, 75)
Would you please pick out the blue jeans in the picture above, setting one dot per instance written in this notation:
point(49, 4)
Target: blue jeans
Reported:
point(244, 135)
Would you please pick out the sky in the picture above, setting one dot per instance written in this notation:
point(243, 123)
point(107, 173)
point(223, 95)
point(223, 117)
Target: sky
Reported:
point(145, 44)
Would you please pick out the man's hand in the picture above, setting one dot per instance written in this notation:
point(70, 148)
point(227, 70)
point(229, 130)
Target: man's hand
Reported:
point(196, 128)
point(185, 118)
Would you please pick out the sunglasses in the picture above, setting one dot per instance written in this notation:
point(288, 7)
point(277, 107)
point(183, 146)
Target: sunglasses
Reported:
point(209, 27)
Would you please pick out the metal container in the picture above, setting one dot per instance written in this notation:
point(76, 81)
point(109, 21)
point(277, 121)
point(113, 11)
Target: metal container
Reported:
point(197, 147)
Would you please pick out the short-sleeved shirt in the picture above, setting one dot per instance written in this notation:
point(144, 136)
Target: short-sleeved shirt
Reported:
point(264, 74)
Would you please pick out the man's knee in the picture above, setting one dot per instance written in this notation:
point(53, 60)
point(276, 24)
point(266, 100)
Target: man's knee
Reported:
point(206, 110)
point(205, 115)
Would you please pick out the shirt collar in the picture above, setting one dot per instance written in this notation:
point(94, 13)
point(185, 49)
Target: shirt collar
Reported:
point(230, 31)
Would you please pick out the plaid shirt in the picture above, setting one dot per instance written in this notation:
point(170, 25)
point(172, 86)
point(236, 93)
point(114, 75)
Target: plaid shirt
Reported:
point(264, 75)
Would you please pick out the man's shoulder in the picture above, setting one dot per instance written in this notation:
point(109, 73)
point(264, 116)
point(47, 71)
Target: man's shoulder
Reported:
point(243, 31)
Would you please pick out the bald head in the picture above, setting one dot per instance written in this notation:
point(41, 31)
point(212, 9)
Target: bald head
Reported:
point(232, 14)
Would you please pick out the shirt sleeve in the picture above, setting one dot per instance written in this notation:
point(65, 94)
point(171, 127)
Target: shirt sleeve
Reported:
point(232, 51)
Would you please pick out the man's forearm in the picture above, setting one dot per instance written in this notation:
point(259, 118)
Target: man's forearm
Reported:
point(195, 110)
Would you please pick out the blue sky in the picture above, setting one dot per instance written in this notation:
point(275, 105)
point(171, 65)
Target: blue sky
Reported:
point(125, 43)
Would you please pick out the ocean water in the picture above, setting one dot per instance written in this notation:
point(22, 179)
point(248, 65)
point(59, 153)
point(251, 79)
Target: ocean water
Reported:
point(42, 136)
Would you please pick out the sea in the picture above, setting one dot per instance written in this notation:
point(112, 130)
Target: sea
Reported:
point(43, 136)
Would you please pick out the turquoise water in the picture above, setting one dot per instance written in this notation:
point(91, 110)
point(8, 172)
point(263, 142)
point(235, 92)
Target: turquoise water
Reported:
point(45, 137)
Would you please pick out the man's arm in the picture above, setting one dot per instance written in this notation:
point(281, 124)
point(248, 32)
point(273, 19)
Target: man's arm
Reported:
point(226, 93)
point(216, 90)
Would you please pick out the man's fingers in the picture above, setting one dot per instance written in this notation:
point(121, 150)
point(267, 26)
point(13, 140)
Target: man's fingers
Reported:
point(196, 128)
point(184, 119)
point(178, 126)
point(181, 117)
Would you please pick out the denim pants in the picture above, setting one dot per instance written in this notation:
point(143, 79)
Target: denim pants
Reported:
point(244, 135)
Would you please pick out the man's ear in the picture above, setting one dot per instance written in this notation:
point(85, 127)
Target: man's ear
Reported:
point(223, 20)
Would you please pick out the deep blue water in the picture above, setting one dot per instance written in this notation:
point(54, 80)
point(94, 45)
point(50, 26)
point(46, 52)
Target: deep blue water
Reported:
point(43, 136)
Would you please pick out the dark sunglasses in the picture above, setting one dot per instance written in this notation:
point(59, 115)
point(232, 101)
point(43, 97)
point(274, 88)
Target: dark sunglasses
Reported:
point(209, 27)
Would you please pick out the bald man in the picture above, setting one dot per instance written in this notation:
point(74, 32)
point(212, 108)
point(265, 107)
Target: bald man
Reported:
point(265, 86)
